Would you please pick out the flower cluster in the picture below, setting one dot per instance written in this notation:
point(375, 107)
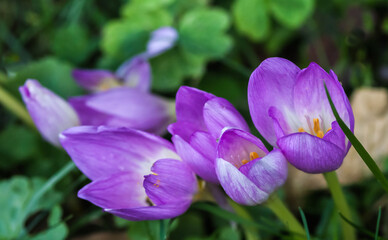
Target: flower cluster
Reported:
point(141, 176)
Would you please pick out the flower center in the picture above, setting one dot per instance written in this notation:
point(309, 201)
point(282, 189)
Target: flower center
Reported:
point(316, 130)
point(252, 156)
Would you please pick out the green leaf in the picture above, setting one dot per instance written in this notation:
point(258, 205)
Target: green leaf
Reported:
point(202, 32)
point(72, 43)
point(145, 230)
point(135, 7)
point(251, 18)
point(57, 229)
point(306, 227)
point(52, 73)
point(359, 147)
point(291, 13)
point(378, 224)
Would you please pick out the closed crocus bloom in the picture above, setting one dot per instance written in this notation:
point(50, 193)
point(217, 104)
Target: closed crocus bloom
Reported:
point(290, 109)
point(200, 119)
point(161, 40)
point(50, 113)
point(124, 107)
point(135, 175)
point(246, 170)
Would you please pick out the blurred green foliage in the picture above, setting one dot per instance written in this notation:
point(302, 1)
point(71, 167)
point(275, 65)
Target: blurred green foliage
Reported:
point(220, 43)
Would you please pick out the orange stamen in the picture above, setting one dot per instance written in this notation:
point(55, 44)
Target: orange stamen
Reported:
point(320, 134)
point(301, 129)
point(244, 161)
point(317, 128)
point(253, 155)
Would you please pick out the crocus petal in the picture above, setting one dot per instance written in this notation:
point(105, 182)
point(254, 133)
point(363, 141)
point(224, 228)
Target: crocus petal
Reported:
point(271, 84)
point(153, 212)
point(141, 110)
point(161, 40)
point(204, 143)
point(311, 154)
point(200, 164)
point(189, 106)
point(95, 80)
point(136, 73)
point(219, 113)
point(336, 136)
point(183, 129)
point(171, 181)
point(50, 113)
point(235, 145)
point(103, 151)
point(238, 187)
point(269, 172)
point(122, 190)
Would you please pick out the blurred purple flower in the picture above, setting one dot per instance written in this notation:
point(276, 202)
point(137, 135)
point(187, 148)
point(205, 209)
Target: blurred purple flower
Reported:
point(135, 72)
point(135, 175)
point(289, 107)
point(246, 170)
point(200, 119)
point(50, 113)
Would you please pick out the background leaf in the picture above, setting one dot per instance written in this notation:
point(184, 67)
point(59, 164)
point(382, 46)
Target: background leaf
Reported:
point(291, 13)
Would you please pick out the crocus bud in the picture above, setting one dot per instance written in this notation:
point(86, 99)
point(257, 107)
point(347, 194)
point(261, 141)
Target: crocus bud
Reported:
point(161, 40)
point(50, 113)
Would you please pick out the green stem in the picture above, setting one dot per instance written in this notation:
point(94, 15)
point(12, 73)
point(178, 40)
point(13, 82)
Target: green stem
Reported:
point(15, 107)
point(249, 231)
point(341, 204)
point(281, 211)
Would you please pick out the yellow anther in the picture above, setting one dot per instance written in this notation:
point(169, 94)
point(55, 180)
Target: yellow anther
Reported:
point(154, 174)
point(157, 183)
point(244, 161)
point(320, 134)
point(253, 155)
point(328, 129)
point(301, 129)
point(317, 128)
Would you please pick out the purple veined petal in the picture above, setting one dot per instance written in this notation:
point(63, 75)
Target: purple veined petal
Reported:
point(280, 124)
point(172, 181)
point(95, 80)
point(161, 40)
point(205, 144)
point(336, 136)
point(269, 172)
point(236, 145)
point(135, 73)
point(238, 187)
point(271, 84)
point(50, 113)
point(219, 113)
point(311, 154)
point(121, 190)
point(189, 106)
point(201, 165)
point(141, 110)
point(103, 151)
point(152, 212)
point(183, 129)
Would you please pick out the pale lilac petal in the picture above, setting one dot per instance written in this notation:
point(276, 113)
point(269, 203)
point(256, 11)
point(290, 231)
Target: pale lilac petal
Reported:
point(205, 144)
point(219, 113)
point(171, 181)
point(136, 73)
point(161, 40)
point(238, 187)
point(95, 80)
point(141, 110)
point(235, 145)
point(311, 154)
point(50, 113)
point(201, 165)
point(336, 136)
point(271, 84)
point(122, 190)
point(165, 211)
point(183, 129)
point(280, 125)
point(102, 151)
point(269, 172)
point(189, 106)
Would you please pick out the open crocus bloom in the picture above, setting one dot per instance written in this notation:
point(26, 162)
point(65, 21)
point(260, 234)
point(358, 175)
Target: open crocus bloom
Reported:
point(201, 117)
point(135, 175)
point(135, 72)
point(290, 108)
point(246, 170)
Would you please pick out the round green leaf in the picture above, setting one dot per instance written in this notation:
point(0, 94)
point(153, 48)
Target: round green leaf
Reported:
point(291, 13)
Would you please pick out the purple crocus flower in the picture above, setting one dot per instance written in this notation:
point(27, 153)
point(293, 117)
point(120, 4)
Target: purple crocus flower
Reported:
point(135, 72)
point(246, 170)
point(50, 113)
point(290, 109)
point(135, 175)
point(201, 117)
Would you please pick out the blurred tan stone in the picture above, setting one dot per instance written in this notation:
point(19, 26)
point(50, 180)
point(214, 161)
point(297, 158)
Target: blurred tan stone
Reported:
point(370, 107)
point(104, 236)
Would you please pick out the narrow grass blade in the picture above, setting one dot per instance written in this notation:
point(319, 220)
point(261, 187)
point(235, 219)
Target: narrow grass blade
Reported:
point(359, 147)
point(378, 224)
point(360, 228)
point(306, 228)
